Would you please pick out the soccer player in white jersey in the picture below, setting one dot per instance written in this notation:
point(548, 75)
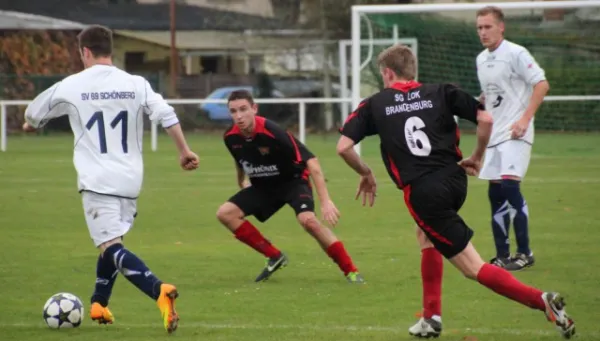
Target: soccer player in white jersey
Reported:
point(105, 106)
point(513, 87)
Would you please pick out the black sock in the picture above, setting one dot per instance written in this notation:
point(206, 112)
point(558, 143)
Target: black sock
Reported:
point(106, 275)
point(512, 192)
point(500, 219)
point(134, 270)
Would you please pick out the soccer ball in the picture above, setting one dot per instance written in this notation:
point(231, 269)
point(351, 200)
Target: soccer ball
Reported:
point(63, 310)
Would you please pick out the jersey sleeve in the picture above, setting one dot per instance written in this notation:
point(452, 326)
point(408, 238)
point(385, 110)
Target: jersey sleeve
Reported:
point(291, 144)
point(360, 123)
point(157, 108)
point(45, 107)
point(527, 68)
point(462, 104)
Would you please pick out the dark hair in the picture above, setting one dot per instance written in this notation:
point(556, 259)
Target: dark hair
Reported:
point(98, 39)
point(493, 10)
point(241, 94)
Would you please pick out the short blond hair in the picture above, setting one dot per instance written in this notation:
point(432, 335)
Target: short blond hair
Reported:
point(491, 10)
point(400, 59)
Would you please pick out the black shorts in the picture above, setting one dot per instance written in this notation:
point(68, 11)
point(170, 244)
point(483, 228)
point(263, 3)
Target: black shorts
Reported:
point(262, 203)
point(434, 202)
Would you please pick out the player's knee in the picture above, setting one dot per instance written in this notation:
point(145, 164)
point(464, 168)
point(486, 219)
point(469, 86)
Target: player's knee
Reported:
point(102, 247)
point(228, 212)
point(309, 222)
point(424, 242)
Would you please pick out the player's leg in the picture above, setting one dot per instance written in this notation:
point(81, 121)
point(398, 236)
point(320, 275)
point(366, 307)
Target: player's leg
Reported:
point(452, 237)
point(500, 219)
point(110, 218)
point(502, 282)
point(432, 267)
point(299, 197)
point(232, 214)
point(168, 293)
point(515, 161)
point(97, 213)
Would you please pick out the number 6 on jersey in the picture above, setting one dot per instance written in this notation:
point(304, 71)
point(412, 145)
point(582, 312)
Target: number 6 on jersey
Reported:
point(416, 139)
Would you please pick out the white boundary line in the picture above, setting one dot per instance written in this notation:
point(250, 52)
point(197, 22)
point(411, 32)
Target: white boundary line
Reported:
point(312, 327)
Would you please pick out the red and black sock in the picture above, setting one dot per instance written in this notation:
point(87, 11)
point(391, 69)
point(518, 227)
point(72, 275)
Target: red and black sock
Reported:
point(504, 283)
point(249, 235)
point(340, 256)
point(432, 269)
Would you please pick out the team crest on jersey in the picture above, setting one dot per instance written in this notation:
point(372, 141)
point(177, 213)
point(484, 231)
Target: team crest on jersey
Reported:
point(264, 150)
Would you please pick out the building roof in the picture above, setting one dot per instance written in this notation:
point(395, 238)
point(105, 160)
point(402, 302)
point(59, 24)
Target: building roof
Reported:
point(142, 16)
point(215, 41)
point(10, 20)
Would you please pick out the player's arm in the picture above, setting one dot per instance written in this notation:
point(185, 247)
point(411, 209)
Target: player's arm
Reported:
point(463, 105)
point(358, 125)
point(330, 213)
point(534, 75)
point(43, 108)
point(241, 176)
point(161, 112)
point(318, 178)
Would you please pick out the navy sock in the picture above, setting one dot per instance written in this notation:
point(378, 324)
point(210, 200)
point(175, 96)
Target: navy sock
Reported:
point(106, 275)
point(134, 270)
point(500, 219)
point(512, 192)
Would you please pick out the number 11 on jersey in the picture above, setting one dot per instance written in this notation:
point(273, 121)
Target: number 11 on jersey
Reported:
point(98, 117)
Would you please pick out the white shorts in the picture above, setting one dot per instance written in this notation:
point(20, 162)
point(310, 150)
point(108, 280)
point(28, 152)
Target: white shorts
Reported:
point(108, 217)
point(508, 158)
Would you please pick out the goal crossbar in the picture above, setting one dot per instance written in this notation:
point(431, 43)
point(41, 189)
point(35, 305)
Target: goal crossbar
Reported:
point(452, 7)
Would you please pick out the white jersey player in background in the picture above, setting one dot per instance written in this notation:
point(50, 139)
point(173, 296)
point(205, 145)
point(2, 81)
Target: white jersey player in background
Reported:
point(513, 87)
point(105, 106)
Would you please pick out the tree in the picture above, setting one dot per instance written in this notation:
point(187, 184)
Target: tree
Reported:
point(30, 61)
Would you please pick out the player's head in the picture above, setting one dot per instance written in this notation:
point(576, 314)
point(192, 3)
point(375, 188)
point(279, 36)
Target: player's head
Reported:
point(242, 109)
point(95, 45)
point(490, 26)
point(397, 63)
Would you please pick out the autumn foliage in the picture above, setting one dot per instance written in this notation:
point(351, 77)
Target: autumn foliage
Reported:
point(27, 56)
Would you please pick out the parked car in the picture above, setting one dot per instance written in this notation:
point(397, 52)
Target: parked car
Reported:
point(220, 112)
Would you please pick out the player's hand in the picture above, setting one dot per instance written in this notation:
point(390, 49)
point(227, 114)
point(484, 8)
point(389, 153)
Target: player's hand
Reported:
point(482, 98)
point(28, 128)
point(367, 186)
point(471, 165)
point(519, 128)
point(330, 213)
point(188, 160)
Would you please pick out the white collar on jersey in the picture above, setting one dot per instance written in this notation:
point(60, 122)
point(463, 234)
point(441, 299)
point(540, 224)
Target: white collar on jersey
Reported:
point(503, 43)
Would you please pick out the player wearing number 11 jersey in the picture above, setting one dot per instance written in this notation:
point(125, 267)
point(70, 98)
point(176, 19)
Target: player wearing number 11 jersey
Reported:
point(105, 106)
point(419, 146)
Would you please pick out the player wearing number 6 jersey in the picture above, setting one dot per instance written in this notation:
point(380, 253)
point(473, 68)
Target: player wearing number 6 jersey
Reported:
point(105, 106)
point(419, 147)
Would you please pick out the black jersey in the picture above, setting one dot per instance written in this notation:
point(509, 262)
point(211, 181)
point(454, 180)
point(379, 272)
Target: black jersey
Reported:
point(416, 126)
point(269, 158)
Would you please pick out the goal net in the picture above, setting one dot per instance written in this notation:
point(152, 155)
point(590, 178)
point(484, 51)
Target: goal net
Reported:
point(561, 35)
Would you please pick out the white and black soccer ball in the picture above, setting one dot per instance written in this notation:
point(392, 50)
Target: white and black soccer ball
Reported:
point(63, 310)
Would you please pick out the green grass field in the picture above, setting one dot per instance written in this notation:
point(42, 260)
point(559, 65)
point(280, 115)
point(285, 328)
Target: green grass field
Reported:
point(46, 249)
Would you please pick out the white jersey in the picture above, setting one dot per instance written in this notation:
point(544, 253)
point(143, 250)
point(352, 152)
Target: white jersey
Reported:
point(105, 107)
point(507, 76)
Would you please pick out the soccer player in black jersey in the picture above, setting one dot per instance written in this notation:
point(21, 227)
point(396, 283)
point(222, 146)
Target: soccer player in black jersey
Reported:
point(419, 146)
point(279, 167)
